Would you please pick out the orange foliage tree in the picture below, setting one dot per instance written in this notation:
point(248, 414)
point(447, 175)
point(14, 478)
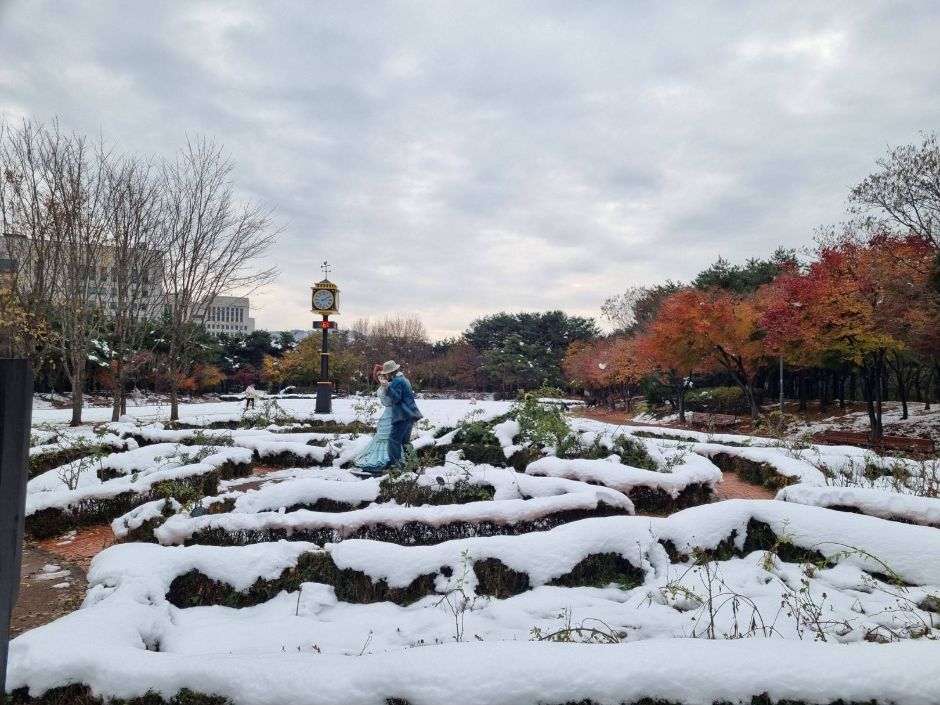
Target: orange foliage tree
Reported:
point(730, 327)
point(673, 348)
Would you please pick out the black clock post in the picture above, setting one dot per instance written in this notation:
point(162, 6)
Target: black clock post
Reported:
point(325, 301)
point(324, 388)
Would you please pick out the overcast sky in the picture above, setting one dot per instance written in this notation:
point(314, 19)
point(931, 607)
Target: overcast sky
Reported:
point(453, 159)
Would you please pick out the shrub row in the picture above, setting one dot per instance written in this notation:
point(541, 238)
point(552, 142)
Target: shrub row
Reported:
point(410, 534)
point(43, 462)
point(82, 695)
point(408, 492)
point(287, 459)
point(758, 536)
point(495, 579)
point(55, 521)
point(309, 426)
point(653, 500)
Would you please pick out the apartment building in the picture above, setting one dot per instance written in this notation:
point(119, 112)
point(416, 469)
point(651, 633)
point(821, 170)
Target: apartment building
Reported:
point(229, 314)
point(97, 278)
point(143, 288)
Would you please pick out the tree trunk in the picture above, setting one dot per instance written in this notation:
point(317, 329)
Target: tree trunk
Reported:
point(78, 394)
point(77, 379)
point(873, 378)
point(752, 402)
point(902, 373)
point(680, 390)
point(825, 389)
point(802, 390)
point(927, 385)
point(118, 389)
point(174, 402)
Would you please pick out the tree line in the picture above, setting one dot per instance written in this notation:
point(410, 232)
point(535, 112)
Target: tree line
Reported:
point(111, 256)
point(501, 353)
point(863, 310)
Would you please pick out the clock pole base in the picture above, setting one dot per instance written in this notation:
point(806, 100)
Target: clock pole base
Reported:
point(324, 398)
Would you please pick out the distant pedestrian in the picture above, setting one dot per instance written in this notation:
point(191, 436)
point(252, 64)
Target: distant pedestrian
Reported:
point(251, 395)
point(404, 412)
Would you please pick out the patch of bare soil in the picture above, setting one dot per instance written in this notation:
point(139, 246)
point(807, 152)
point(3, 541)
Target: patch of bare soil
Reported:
point(733, 487)
point(256, 479)
point(50, 587)
point(80, 546)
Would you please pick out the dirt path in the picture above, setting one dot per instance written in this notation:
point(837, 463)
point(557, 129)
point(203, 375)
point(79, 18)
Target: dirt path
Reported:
point(80, 546)
point(733, 487)
point(49, 588)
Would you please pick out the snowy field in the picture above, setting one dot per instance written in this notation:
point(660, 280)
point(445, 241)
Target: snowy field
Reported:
point(257, 567)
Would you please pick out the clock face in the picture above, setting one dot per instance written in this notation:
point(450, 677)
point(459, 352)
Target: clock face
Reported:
point(323, 300)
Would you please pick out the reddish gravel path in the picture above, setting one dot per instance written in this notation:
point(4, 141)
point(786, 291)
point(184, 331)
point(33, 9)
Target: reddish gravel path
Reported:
point(81, 546)
point(731, 487)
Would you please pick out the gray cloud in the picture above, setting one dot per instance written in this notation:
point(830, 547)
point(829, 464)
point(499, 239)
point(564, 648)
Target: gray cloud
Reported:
point(457, 159)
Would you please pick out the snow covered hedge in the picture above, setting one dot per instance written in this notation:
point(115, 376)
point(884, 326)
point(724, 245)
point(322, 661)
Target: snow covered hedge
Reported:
point(133, 478)
point(361, 618)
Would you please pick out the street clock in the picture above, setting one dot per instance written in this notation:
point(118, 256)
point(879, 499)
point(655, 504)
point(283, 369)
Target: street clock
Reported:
point(325, 298)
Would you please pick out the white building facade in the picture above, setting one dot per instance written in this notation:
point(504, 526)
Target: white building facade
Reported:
point(229, 314)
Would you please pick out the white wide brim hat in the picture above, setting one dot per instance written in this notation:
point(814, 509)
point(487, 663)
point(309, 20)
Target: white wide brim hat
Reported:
point(389, 367)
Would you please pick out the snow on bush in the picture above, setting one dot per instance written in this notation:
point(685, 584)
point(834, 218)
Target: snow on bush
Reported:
point(873, 502)
point(180, 528)
point(108, 643)
point(688, 470)
point(348, 613)
point(136, 476)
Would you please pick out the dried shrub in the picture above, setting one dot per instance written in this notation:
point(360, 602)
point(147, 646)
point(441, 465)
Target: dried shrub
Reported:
point(496, 579)
point(762, 474)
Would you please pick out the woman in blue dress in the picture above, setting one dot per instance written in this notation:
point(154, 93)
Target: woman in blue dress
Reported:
point(375, 458)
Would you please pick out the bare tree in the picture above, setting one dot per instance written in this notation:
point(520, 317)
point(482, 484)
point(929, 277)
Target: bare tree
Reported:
point(635, 310)
point(30, 256)
point(135, 254)
point(906, 190)
point(620, 310)
point(402, 337)
point(77, 225)
point(213, 244)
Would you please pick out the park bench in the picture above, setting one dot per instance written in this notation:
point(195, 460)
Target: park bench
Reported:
point(846, 438)
point(912, 445)
point(699, 418)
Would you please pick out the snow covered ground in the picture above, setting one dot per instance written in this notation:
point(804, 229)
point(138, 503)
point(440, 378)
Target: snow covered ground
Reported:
point(441, 412)
point(718, 602)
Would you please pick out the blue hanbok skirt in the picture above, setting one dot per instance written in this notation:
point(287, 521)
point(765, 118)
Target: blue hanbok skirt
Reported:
point(375, 455)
